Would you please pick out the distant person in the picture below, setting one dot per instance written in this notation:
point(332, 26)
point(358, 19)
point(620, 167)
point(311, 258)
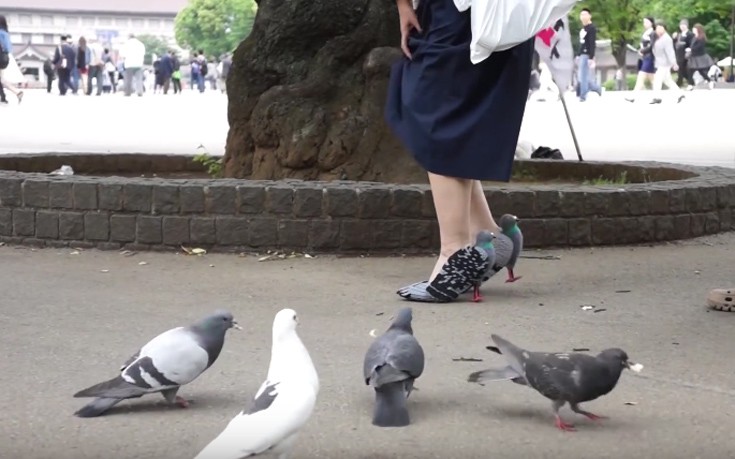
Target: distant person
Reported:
point(586, 59)
point(646, 64)
point(11, 74)
point(665, 57)
point(158, 81)
point(699, 60)
point(224, 70)
point(176, 75)
point(198, 69)
point(683, 41)
point(48, 70)
point(64, 60)
point(165, 71)
point(133, 55)
point(96, 66)
point(110, 68)
point(83, 58)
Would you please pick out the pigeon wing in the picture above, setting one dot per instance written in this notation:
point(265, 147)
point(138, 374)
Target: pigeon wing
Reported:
point(556, 376)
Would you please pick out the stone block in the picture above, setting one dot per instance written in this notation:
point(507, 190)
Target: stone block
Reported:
point(220, 199)
point(6, 222)
point(548, 203)
point(618, 203)
point(639, 202)
point(202, 230)
point(175, 230)
point(605, 231)
point(60, 195)
point(678, 200)
point(324, 234)
point(71, 226)
point(122, 228)
point(725, 196)
point(110, 196)
point(355, 235)
point(97, 226)
point(85, 195)
point(251, 198)
point(149, 230)
point(263, 232)
point(534, 232)
point(293, 234)
point(387, 234)
point(500, 201)
point(665, 229)
point(596, 203)
point(407, 202)
point(427, 205)
point(521, 203)
point(24, 222)
point(711, 223)
point(232, 231)
point(166, 200)
point(11, 192)
point(658, 203)
point(137, 197)
point(374, 202)
point(307, 202)
point(416, 234)
point(279, 199)
point(191, 199)
point(341, 202)
point(47, 225)
point(580, 232)
point(35, 193)
point(698, 222)
point(726, 220)
point(573, 203)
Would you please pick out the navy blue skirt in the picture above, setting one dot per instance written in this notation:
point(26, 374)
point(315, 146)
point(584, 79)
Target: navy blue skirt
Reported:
point(458, 119)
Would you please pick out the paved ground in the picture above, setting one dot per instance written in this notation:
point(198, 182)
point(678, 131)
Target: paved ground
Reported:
point(65, 325)
point(608, 128)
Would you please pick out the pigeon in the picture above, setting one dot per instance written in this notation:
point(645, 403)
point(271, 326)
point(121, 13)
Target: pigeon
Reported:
point(484, 242)
point(167, 362)
point(281, 406)
point(561, 377)
point(508, 247)
point(392, 363)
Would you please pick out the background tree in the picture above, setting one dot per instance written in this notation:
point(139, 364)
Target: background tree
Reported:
point(153, 45)
point(215, 26)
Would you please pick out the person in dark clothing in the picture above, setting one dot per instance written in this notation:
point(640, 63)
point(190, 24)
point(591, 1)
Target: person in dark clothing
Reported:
point(48, 70)
point(682, 41)
point(176, 74)
point(586, 59)
point(64, 61)
point(699, 60)
point(165, 71)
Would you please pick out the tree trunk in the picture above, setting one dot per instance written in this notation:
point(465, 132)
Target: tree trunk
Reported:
point(307, 90)
point(620, 51)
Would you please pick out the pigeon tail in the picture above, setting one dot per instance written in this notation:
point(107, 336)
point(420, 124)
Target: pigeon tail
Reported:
point(96, 407)
point(496, 374)
point(390, 406)
point(114, 388)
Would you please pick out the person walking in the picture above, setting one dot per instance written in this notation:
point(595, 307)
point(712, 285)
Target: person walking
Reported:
point(133, 55)
point(64, 60)
point(646, 63)
point(48, 70)
point(96, 66)
point(461, 123)
point(682, 41)
point(176, 75)
point(83, 59)
point(224, 70)
point(699, 61)
point(665, 57)
point(586, 58)
point(10, 75)
point(165, 71)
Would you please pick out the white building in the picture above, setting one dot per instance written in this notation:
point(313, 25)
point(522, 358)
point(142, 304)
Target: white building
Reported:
point(36, 26)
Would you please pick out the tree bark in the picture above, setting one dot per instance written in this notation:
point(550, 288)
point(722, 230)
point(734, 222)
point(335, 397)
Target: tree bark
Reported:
point(307, 91)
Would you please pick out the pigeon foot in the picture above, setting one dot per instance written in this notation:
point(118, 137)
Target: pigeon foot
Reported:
point(476, 297)
point(182, 402)
point(512, 277)
point(593, 416)
point(563, 426)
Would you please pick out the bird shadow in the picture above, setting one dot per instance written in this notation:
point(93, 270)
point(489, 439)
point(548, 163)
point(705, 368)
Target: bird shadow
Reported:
point(201, 402)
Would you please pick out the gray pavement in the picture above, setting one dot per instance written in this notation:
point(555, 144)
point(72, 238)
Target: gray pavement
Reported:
point(65, 325)
point(698, 131)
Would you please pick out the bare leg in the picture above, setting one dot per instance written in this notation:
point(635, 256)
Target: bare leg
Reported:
point(452, 204)
point(9, 87)
point(481, 218)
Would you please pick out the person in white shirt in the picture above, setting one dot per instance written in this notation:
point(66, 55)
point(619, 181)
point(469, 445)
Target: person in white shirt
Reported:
point(96, 66)
point(133, 53)
point(665, 58)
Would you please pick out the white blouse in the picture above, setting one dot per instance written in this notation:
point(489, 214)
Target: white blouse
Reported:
point(462, 5)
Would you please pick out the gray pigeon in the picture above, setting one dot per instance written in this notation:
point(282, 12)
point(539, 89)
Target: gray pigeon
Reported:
point(168, 361)
point(392, 363)
point(485, 242)
point(508, 247)
point(561, 377)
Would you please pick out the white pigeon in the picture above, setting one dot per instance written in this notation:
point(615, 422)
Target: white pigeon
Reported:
point(281, 406)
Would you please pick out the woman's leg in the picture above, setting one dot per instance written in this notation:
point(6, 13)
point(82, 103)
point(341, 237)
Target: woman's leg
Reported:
point(9, 87)
point(452, 203)
point(481, 218)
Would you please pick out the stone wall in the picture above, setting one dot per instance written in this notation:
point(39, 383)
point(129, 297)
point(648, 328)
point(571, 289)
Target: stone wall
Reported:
point(341, 216)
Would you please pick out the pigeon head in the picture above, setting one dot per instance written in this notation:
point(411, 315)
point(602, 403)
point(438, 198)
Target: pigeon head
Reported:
point(220, 321)
point(617, 358)
point(509, 224)
point(284, 323)
point(402, 320)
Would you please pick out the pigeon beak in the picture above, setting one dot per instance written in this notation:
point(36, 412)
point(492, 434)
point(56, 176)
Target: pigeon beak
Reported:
point(236, 326)
point(637, 367)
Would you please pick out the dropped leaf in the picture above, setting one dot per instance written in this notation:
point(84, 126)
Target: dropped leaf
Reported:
point(306, 255)
point(78, 248)
point(697, 272)
point(466, 359)
point(2, 244)
point(600, 310)
point(75, 252)
point(587, 307)
point(211, 266)
point(264, 258)
point(143, 263)
point(379, 313)
point(623, 291)
point(675, 343)
point(128, 253)
point(104, 270)
point(581, 349)
point(242, 255)
point(631, 403)
point(373, 333)
point(198, 251)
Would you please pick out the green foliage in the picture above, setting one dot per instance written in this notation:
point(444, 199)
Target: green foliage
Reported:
point(718, 39)
point(213, 164)
point(621, 179)
point(153, 45)
point(215, 26)
point(609, 85)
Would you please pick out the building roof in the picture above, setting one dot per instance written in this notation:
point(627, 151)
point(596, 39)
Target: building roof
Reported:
point(98, 6)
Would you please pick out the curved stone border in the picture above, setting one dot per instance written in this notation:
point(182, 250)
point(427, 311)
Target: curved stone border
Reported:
point(341, 216)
